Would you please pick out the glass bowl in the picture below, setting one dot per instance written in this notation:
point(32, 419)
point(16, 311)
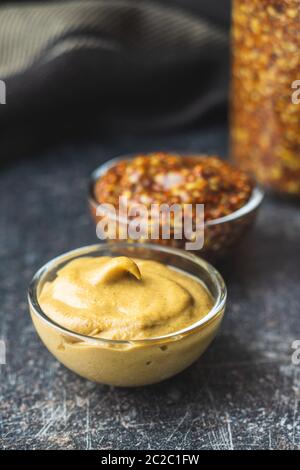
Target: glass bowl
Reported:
point(221, 236)
point(134, 362)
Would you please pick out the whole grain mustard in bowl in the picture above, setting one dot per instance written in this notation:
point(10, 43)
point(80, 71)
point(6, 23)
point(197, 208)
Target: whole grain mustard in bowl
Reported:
point(230, 196)
point(127, 314)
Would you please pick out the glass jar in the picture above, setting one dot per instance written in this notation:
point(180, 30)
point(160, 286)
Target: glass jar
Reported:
point(265, 113)
point(221, 235)
point(130, 363)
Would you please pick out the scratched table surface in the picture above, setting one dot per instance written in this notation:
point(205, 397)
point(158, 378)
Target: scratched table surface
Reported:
point(242, 394)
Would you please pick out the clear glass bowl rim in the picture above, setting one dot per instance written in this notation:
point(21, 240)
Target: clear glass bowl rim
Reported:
point(214, 275)
point(254, 202)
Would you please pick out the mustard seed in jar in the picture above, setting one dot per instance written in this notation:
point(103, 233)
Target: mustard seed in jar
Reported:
point(265, 121)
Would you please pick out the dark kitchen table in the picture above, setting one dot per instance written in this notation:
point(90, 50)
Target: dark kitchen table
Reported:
point(242, 394)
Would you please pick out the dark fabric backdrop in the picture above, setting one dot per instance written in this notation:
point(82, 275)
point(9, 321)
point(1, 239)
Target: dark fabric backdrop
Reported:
point(93, 68)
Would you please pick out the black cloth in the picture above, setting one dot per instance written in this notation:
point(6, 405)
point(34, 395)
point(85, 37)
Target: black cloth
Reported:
point(109, 66)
